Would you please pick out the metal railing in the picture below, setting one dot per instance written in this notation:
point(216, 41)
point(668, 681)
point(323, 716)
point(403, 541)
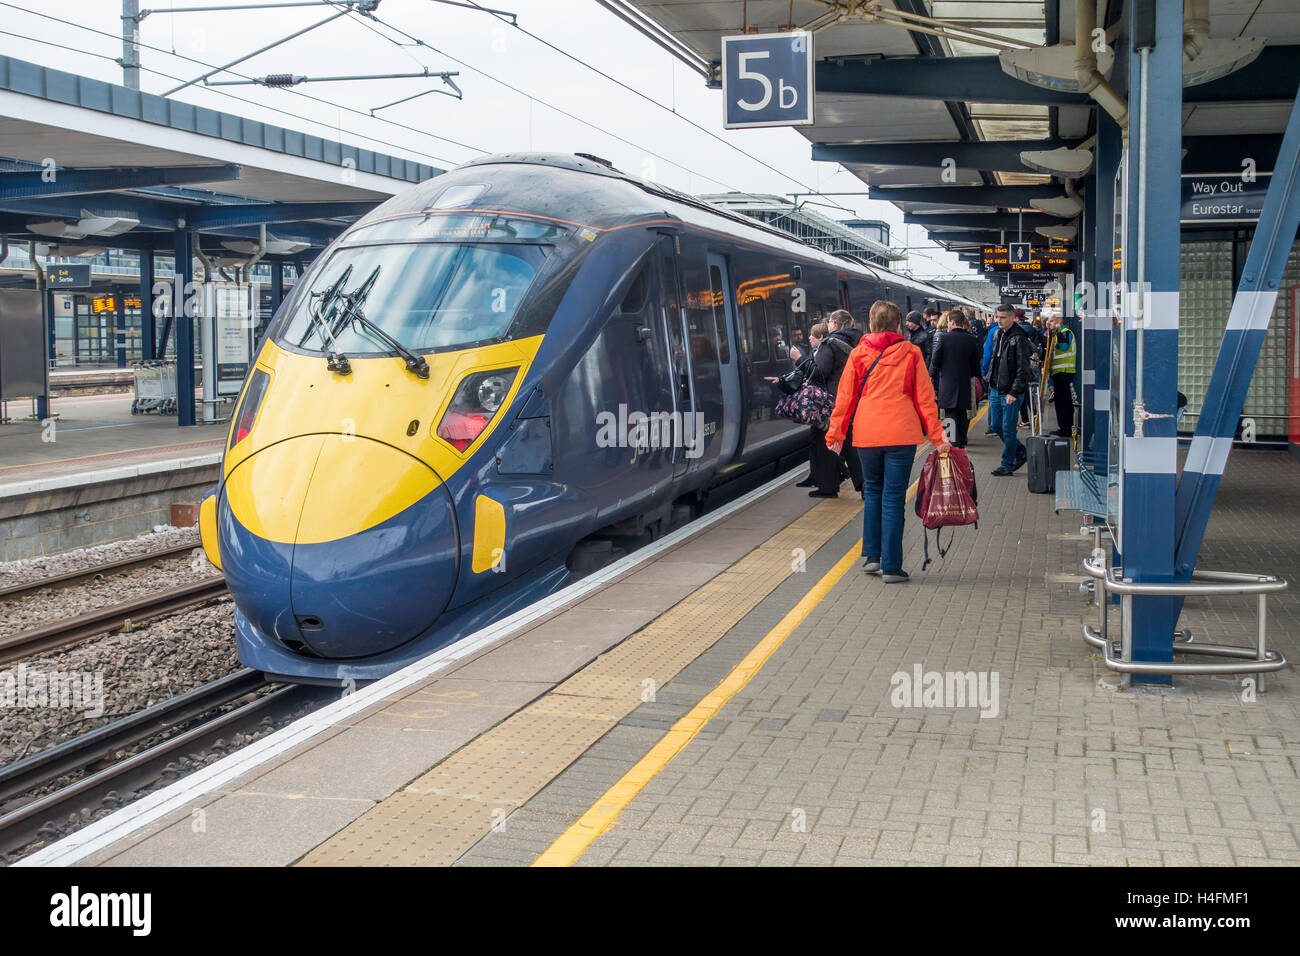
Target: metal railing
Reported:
point(1093, 474)
point(1119, 655)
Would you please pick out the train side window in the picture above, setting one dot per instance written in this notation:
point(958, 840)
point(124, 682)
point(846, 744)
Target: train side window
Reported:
point(779, 333)
point(793, 330)
point(720, 314)
point(753, 324)
point(634, 299)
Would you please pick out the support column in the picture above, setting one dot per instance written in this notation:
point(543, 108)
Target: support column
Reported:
point(1096, 409)
point(119, 327)
point(277, 284)
point(1082, 306)
point(148, 350)
point(1148, 453)
point(47, 307)
point(184, 325)
point(277, 298)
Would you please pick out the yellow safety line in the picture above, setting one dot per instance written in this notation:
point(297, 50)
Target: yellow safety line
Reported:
point(573, 842)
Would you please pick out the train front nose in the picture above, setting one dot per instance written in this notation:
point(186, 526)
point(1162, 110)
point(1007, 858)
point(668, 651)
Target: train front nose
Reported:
point(338, 546)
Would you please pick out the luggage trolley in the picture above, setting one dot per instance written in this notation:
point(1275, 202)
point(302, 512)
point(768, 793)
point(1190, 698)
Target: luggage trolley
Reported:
point(155, 388)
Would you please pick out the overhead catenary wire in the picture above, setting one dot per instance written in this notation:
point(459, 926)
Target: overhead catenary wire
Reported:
point(360, 18)
point(416, 41)
point(262, 105)
point(650, 99)
point(578, 119)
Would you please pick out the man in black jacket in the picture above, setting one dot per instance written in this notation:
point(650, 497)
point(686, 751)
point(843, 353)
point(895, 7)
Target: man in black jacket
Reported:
point(832, 358)
point(954, 367)
point(920, 334)
point(806, 371)
point(1011, 374)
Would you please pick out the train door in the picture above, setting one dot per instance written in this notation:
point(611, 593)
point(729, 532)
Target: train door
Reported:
point(686, 444)
point(844, 296)
point(725, 332)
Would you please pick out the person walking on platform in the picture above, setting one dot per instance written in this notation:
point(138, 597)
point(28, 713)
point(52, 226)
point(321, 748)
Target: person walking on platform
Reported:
point(841, 341)
point(920, 334)
point(1035, 354)
point(995, 408)
point(931, 318)
point(885, 392)
point(1063, 358)
point(805, 372)
point(825, 466)
point(1011, 374)
point(954, 367)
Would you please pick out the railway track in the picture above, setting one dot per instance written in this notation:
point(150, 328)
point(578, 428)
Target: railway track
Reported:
point(28, 822)
point(87, 574)
point(80, 627)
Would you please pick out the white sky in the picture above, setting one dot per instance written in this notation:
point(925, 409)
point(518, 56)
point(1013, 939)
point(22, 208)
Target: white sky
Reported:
point(619, 125)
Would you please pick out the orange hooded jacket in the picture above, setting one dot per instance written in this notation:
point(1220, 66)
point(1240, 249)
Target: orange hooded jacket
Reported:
point(898, 406)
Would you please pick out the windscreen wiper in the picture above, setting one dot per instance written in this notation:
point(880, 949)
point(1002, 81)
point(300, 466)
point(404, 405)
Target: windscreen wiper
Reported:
point(352, 302)
point(322, 310)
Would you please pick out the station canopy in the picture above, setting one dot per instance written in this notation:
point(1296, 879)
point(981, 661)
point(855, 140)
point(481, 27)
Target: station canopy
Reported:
point(86, 165)
point(935, 124)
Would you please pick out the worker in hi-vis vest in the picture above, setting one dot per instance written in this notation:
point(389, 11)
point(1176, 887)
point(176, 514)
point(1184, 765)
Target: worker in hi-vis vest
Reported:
point(1062, 360)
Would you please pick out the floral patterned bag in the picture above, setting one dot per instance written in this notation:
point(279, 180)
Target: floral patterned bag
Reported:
point(808, 406)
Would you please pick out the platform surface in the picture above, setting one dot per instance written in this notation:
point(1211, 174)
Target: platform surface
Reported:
point(95, 433)
point(737, 701)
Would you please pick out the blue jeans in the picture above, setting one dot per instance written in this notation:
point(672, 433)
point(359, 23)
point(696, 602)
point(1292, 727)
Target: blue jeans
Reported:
point(885, 471)
point(995, 412)
point(1013, 450)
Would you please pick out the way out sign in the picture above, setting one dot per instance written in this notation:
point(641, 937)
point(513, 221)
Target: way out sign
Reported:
point(767, 80)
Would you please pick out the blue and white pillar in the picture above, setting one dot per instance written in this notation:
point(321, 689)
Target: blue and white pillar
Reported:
point(1148, 448)
point(1252, 308)
point(1095, 404)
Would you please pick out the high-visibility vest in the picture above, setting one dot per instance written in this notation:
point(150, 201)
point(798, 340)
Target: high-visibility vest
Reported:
point(1065, 352)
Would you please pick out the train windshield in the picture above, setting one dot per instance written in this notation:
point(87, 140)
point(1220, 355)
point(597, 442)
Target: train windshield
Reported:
point(430, 295)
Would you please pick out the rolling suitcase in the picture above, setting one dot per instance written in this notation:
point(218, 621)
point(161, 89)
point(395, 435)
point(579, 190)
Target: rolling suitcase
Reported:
point(1048, 454)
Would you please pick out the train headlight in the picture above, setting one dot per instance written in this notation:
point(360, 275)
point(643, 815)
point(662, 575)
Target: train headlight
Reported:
point(248, 406)
point(492, 391)
point(478, 398)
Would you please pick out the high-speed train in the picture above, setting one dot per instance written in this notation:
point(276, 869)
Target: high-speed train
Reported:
point(486, 374)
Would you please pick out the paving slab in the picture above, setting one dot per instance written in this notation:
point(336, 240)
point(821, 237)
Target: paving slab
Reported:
point(815, 763)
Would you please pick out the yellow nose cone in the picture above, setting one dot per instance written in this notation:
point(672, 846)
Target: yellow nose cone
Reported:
point(318, 488)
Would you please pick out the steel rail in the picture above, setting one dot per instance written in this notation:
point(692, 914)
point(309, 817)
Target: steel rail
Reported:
point(20, 827)
point(73, 630)
point(72, 577)
point(30, 772)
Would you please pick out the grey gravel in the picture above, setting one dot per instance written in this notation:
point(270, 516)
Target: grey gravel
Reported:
point(24, 570)
point(113, 676)
point(39, 608)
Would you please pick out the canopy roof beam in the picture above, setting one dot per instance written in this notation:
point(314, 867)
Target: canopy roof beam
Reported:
point(50, 183)
point(1272, 76)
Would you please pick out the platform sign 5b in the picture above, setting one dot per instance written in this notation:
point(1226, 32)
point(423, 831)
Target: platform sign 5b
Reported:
point(767, 80)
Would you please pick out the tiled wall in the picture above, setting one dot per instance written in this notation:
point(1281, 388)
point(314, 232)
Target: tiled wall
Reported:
point(1204, 304)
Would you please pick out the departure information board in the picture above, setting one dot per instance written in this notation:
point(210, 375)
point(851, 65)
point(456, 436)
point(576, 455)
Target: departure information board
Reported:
point(998, 259)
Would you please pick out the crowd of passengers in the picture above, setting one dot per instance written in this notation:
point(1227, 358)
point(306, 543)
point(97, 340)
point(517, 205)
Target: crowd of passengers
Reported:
point(901, 381)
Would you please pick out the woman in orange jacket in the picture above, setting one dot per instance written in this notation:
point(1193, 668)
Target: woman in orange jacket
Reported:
point(887, 394)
